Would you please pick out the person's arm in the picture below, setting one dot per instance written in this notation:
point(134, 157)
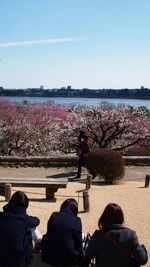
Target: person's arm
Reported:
point(32, 221)
point(74, 144)
point(139, 252)
point(90, 252)
point(77, 233)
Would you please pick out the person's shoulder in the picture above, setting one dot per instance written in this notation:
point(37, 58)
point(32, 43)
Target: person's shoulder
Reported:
point(125, 228)
point(128, 232)
point(55, 215)
point(76, 220)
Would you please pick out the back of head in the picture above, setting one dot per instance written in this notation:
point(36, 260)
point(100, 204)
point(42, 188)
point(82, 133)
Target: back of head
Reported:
point(82, 135)
point(19, 200)
point(112, 214)
point(70, 204)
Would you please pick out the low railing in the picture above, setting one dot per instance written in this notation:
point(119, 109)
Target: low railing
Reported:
point(61, 161)
point(137, 160)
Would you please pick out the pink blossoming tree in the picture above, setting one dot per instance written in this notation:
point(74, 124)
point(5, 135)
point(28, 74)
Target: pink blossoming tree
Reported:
point(42, 129)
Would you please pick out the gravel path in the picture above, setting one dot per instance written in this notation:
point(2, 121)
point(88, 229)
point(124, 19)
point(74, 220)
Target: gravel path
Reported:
point(130, 194)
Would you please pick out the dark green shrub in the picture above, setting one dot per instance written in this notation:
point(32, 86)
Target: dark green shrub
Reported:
point(105, 163)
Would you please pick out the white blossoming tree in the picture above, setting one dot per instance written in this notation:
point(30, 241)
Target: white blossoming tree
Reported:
point(112, 127)
point(42, 129)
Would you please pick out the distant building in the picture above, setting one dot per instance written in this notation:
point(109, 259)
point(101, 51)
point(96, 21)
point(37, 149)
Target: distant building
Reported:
point(68, 87)
point(34, 91)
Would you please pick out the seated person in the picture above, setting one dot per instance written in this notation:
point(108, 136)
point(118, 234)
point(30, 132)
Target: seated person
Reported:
point(114, 245)
point(15, 232)
point(62, 244)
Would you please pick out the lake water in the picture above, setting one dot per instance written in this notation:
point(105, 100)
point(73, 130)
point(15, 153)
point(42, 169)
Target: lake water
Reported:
point(79, 101)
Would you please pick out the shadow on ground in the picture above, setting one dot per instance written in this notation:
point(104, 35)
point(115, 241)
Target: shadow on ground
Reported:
point(96, 182)
point(42, 200)
point(62, 175)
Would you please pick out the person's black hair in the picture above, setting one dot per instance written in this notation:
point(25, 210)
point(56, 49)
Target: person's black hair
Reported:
point(19, 200)
point(112, 214)
point(70, 204)
point(82, 134)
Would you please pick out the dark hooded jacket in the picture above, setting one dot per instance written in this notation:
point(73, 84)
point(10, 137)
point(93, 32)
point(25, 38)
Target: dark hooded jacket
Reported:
point(15, 236)
point(62, 244)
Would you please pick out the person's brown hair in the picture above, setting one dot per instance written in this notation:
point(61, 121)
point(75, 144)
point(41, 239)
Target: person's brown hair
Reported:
point(112, 214)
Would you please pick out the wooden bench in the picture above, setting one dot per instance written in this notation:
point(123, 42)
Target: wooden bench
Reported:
point(51, 185)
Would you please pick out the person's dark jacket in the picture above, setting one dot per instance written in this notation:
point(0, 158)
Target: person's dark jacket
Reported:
point(62, 244)
point(84, 149)
point(115, 248)
point(15, 237)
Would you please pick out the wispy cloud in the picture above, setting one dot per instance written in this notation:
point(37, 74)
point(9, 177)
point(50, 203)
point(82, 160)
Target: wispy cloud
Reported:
point(44, 41)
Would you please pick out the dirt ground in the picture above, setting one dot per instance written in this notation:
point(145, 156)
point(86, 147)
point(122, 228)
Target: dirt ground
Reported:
point(130, 194)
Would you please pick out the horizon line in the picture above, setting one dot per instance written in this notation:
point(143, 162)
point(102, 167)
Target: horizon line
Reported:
point(81, 88)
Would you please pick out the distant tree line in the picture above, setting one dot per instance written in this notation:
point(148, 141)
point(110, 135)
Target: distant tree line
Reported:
point(141, 93)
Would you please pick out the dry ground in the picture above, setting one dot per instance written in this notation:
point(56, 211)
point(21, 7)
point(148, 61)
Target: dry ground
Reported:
point(130, 195)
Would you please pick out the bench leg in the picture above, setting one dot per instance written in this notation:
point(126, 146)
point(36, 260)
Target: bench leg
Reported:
point(2, 191)
point(50, 193)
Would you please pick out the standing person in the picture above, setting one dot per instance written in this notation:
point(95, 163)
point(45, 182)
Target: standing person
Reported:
point(62, 243)
point(15, 232)
point(114, 245)
point(84, 149)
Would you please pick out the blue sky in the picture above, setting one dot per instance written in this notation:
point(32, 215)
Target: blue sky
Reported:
point(82, 43)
